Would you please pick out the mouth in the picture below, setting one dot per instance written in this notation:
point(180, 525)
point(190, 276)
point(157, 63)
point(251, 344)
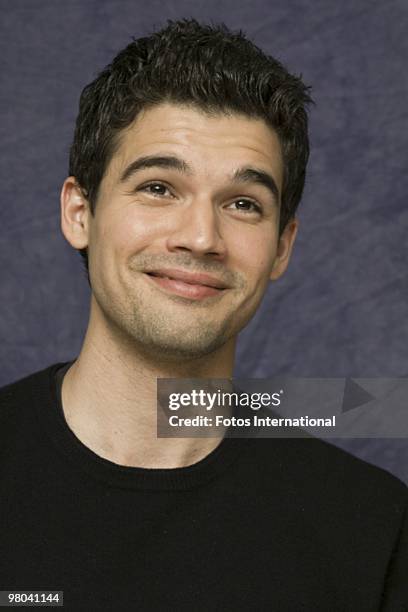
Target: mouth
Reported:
point(186, 284)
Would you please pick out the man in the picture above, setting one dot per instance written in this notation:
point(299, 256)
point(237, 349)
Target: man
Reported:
point(186, 170)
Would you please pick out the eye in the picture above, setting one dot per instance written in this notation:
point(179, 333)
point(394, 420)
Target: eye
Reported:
point(156, 189)
point(247, 206)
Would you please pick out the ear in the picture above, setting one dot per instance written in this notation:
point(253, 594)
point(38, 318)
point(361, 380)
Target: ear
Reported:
point(285, 246)
point(75, 214)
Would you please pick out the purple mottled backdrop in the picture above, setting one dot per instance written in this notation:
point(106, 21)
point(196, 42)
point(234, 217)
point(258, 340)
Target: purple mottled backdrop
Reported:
point(341, 309)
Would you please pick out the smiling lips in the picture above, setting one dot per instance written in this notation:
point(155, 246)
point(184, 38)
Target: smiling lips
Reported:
point(187, 284)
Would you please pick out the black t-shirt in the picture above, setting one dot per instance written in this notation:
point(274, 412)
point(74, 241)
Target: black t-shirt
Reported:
point(259, 524)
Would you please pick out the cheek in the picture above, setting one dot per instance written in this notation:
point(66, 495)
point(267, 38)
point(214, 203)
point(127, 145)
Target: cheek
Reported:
point(125, 233)
point(255, 252)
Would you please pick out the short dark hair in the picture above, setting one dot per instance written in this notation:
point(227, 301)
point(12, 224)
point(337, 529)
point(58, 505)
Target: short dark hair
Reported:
point(206, 66)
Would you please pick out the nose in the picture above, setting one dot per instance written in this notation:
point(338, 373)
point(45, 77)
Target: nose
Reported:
point(197, 229)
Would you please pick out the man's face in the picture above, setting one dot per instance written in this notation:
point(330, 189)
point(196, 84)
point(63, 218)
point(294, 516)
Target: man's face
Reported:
point(186, 194)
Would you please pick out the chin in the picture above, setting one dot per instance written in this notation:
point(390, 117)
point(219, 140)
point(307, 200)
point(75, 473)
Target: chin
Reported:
point(176, 351)
point(163, 338)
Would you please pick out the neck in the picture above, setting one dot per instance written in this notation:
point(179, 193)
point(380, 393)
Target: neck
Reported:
point(109, 398)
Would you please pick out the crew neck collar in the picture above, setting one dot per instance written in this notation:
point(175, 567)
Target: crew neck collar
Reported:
point(81, 457)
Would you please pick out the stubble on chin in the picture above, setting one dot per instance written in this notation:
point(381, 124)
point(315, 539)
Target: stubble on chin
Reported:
point(174, 339)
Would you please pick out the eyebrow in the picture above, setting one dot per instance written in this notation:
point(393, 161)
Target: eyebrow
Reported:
point(170, 162)
point(255, 175)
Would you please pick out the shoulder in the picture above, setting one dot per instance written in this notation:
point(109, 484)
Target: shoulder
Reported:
point(326, 494)
point(316, 467)
point(14, 389)
point(25, 391)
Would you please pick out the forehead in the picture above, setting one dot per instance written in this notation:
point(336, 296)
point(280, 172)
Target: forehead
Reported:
point(215, 144)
